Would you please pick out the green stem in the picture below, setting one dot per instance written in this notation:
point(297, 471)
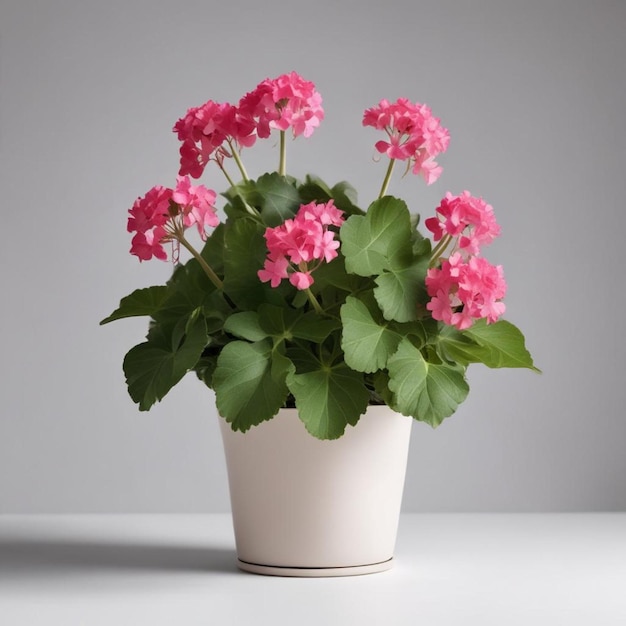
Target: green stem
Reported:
point(383, 189)
point(228, 178)
point(282, 164)
point(251, 210)
point(314, 302)
point(440, 248)
point(213, 277)
point(238, 160)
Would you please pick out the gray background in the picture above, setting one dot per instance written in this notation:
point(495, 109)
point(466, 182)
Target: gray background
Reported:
point(534, 96)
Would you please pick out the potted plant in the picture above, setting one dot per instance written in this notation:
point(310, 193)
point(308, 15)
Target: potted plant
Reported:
point(323, 328)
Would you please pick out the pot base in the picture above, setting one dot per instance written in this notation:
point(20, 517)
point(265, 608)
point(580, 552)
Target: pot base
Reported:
point(314, 572)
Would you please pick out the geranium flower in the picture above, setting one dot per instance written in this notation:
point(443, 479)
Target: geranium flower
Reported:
point(288, 101)
point(466, 217)
point(163, 215)
point(464, 291)
point(148, 216)
point(197, 205)
point(301, 244)
point(205, 133)
point(414, 135)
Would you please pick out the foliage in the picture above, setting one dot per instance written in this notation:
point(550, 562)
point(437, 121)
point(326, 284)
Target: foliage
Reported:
point(356, 321)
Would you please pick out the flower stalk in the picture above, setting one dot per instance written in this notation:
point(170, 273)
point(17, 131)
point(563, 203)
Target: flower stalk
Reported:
point(231, 182)
point(213, 277)
point(314, 301)
point(439, 249)
point(238, 161)
point(385, 185)
point(282, 163)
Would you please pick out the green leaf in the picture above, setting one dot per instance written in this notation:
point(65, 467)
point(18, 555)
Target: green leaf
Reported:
point(238, 196)
point(152, 368)
point(316, 181)
point(379, 240)
point(421, 332)
point(314, 328)
point(344, 191)
point(426, 391)
point(245, 254)
point(216, 310)
point(285, 323)
point(343, 194)
point(245, 325)
point(278, 321)
point(454, 345)
point(249, 384)
point(334, 274)
point(401, 288)
point(345, 198)
point(314, 189)
point(140, 302)
point(213, 250)
point(381, 385)
point(503, 344)
point(367, 344)
point(188, 288)
point(204, 369)
point(329, 398)
point(278, 199)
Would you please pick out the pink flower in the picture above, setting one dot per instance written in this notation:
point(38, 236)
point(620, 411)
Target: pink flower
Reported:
point(151, 210)
point(163, 214)
point(470, 219)
point(464, 291)
point(301, 280)
point(196, 203)
point(414, 135)
point(298, 246)
point(205, 132)
point(326, 246)
point(259, 106)
point(274, 271)
point(327, 214)
point(148, 244)
point(148, 217)
point(288, 101)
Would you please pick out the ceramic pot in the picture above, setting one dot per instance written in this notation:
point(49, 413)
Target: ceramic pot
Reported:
point(305, 507)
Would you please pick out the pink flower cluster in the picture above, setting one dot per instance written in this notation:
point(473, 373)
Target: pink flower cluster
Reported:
point(197, 205)
point(285, 102)
point(163, 214)
point(297, 247)
point(205, 133)
point(415, 135)
point(465, 290)
point(466, 287)
point(210, 131)
point(466, 217)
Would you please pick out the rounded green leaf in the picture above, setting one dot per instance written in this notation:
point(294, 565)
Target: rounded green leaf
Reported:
point(428, 392)
point(249, 388)
point(372, 243)
point(245, 325)
point(367, 345)
point(328, 399)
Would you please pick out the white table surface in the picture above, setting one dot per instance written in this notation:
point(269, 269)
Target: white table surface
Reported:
point(505, 570)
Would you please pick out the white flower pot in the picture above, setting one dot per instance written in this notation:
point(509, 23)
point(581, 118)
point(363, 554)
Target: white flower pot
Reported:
point(305, 507)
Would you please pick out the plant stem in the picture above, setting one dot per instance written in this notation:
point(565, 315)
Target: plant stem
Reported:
point(228, 178)
point(238, 160)
point(439, 250)
point(383, 189)
point(282, 164)
point(314, 302)
point(251, 210)
point(213, 277)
